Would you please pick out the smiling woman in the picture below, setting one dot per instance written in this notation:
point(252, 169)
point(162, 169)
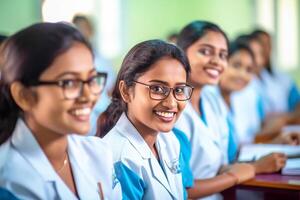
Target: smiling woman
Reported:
point(150, 94)
point(48, 89)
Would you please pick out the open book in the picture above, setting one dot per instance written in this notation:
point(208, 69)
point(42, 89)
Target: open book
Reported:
point(252, 152)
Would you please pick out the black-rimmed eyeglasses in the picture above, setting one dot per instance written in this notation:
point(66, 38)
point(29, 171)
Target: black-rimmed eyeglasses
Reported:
point(73, 88)
point(161, 92)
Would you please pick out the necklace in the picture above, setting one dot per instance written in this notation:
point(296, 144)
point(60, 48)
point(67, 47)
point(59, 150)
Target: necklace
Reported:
point(64, 164)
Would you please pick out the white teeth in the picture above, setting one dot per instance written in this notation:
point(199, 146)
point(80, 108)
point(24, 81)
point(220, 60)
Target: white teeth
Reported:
point(165, 114)
point(213, 72)
point(83, 111)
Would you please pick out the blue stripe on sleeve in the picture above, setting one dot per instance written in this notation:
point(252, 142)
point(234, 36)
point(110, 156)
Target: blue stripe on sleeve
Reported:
point(232, 142)
point(132, 185)
point(261, 109)
point(185, 156)
point(6, 195)
point(294, 97)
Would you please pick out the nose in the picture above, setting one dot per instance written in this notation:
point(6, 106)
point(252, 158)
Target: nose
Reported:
point(215, 60)
point(170, 101)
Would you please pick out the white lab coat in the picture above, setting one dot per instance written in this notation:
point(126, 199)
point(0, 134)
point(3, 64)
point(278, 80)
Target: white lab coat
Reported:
point(278, 90)
point(208, 140)
point(141, 175)
point(28, 174)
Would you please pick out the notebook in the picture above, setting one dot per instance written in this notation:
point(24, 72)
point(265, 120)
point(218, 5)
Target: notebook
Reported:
point(252, 152)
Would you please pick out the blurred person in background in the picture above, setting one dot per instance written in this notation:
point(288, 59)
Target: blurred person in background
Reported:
point(85, 26)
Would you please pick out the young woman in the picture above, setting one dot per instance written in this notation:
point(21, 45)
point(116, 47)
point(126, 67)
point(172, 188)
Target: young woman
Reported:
point(203, 119)
point(275, 102)
point(243, 107)
point(48, 89)
point(150, 94)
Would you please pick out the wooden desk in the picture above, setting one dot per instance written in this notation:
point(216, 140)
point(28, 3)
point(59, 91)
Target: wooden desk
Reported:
point(266, 187)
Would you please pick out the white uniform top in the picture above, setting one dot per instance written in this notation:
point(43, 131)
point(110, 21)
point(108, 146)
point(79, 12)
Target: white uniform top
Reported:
point(248, 110)
point(208, 137)
point(281, 92)
point(142, 176)
point(28, 174)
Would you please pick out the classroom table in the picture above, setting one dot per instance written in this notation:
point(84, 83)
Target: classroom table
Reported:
point(266, 187)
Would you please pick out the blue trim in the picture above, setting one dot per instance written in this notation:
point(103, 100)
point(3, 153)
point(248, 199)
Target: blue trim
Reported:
point(261, 109)
point(185, 156)
point(132, 185)
point(232, 142)
point(202, 113)
point(294, 97)
point(184, 159)
point(6, 195)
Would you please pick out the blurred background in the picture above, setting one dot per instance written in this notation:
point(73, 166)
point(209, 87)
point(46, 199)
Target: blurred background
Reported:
point(119, 24)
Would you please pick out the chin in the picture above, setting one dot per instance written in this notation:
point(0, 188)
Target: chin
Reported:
point(165, 129)
point(82, 130)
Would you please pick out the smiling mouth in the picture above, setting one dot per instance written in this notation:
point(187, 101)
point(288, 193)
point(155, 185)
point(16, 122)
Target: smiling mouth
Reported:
point(214, 73)
point(81, 114)
point(165, 115)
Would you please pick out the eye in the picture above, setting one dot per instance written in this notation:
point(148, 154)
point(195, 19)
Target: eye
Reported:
point(205, 51)
point(157, 89)
point(250, 70)
point(236, 65)
point(94, 80)
point(70, 83)
point(179, 90)
point(223, 56)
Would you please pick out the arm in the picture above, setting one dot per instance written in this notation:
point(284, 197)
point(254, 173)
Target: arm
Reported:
point(210, 186)
point(230, 176)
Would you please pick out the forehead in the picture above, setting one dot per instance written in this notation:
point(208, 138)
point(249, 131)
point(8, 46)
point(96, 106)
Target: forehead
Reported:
point(212, 38)
point(241, 53)
point(166, 69)
point(77, 59)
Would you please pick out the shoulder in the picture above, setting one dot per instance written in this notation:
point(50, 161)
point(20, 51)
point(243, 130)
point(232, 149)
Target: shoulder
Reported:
point(90, 144)
point(187, 121)
point(212, 98)
point(13, 166)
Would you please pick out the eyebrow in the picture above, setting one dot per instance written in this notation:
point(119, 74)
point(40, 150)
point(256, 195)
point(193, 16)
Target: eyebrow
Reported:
point(166, 83)
point(72, 73)
point(210, 46)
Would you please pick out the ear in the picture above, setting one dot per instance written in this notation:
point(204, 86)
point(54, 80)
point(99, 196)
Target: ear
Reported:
point(124, 91)
point(22, 96)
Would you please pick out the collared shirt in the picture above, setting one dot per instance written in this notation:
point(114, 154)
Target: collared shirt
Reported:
point(208, 137)
point(141, 174)
point(280, 92)
point(248, 108)
point(27, 173)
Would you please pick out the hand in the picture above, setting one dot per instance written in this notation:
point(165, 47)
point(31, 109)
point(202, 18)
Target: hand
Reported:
point(242, 171)
point(270, 163)
point(292, 138)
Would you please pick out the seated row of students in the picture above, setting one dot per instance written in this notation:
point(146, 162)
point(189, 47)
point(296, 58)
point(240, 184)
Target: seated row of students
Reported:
point(49, 87)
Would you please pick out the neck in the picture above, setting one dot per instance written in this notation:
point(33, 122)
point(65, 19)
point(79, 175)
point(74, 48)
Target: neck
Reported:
point(149, 135)
point(195, 98)
point(226, 95)
point(53, 144)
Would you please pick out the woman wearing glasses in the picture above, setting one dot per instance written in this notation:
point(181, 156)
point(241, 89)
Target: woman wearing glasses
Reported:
point(150, 94)
point(48, 89)
point(206, 46)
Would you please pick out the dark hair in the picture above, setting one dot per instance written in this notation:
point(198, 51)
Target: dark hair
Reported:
point(238, 46)
point(257, 35)
point(79, 18)
point(259, 32)
point(247, 39)
point(195, 30)
point(24, 57)
point(2, 38)
point(137, 61)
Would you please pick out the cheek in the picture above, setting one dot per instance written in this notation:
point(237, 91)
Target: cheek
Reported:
point(51, 106)
point(181, 106)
